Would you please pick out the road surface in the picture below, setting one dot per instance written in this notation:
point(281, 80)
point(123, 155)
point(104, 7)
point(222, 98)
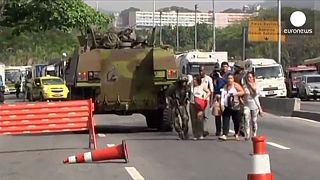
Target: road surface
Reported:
point(293, 148)
point(313, 106)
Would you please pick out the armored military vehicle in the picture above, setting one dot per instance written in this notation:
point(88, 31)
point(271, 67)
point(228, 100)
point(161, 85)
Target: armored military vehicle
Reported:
point(123, 75)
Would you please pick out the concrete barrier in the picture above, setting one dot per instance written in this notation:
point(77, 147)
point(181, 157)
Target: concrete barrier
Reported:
point(307, 115)
point(280, 106)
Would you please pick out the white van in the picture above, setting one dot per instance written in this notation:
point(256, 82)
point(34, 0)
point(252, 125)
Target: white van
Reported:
point(189, 63)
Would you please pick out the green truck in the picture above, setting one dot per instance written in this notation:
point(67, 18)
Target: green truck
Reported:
point(123, 75)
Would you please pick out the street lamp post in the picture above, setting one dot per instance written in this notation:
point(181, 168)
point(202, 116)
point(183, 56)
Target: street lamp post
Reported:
point(177, 33)
point(213, 28)
point(279, 31)
point(160, 28)
point(64, 56)
point(195, 26)
point(244, 32)
point(153, 14)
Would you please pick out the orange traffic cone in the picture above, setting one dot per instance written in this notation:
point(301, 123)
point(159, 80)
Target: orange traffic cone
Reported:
point(116, 152)
point(260, 160)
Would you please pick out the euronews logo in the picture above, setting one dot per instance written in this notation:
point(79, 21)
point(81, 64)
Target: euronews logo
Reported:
point(299, 24)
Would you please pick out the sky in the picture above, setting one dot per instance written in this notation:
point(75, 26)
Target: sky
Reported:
point(203, 5)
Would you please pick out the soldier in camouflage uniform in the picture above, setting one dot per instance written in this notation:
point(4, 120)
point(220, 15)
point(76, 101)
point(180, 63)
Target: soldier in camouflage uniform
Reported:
point(177, 94)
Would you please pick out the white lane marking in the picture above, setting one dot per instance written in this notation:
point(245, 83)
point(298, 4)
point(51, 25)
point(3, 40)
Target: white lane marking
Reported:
point(110, 145)
point(101, 135)
point(277, 145)
point(134, 173)
point(271, 143)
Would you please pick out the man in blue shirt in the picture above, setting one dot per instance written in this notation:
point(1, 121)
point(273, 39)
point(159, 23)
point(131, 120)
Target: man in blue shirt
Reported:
point(219, 81)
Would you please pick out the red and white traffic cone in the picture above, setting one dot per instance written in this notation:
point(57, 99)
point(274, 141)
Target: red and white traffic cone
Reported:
point(116, 152)
point(260, 160)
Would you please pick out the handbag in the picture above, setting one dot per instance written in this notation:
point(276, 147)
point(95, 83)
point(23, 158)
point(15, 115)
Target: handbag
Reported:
point(234, 103)
point(216, 109)
point(201, 103)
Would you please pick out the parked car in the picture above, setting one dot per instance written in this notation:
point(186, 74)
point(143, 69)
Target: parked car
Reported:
point(309, 87)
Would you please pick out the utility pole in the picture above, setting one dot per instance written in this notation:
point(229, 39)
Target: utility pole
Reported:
point(213, 28)
point(279, 33)
point(153, 24)
point(160, 28)
point(244, 32)
point(153, 14)
point(195, 26)
point(177, 33)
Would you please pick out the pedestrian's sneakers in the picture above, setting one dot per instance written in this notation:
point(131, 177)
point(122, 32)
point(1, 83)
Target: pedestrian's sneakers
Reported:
point(223, 137)
point(200, 138)
point(237, 137)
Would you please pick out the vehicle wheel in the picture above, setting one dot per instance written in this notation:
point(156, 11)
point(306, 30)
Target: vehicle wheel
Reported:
point(166, 123)
point(160, 119)
point(152, 119)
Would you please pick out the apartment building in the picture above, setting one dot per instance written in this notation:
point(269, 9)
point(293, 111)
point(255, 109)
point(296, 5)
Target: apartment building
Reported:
point(142, 19)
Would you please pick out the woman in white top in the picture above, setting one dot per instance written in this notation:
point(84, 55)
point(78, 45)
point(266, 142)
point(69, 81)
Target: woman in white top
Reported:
point(198, 103)
point(252, 105)
point(231, 106)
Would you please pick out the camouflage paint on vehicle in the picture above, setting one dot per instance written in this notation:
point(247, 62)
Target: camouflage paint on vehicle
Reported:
point(127, 78)
point(132, 77)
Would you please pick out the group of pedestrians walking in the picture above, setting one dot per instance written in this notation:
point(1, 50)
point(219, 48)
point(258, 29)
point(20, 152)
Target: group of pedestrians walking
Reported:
point(223, 94)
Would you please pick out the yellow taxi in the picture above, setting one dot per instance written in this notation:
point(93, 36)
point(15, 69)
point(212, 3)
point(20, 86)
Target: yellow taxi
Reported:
point(49, 88)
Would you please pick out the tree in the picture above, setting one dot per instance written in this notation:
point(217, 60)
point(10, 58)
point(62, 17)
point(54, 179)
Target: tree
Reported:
point(43, 15)
point(38, 47)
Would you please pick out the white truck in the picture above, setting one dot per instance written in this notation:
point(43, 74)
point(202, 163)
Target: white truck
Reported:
point(190, 62)
point(14, 74)
point(269, 76)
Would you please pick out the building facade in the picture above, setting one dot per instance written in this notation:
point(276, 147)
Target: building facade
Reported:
point(141, 19)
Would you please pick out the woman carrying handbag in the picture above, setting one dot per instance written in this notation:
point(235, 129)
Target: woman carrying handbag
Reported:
point(231, 105)
point(198, 104)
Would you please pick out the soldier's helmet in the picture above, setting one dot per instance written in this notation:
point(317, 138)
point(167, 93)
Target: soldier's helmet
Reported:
point(183, 78)
point(239, 64)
